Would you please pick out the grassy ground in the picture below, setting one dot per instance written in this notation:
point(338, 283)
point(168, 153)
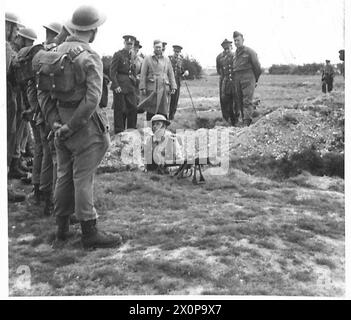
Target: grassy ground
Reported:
point(238, 234)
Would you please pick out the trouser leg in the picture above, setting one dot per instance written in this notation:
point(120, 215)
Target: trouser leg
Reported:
point(64, 190)
point(247, 88)
point(174, 103)
point(324, 87)
point(19, 135)
point(131, 110)
point(38, 155)
point(119, 107)
point(46, 177)
point(11, 123)
point(330, 85)
point(84, 167)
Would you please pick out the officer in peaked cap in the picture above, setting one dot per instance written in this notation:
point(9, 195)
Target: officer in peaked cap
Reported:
point(179, 71)
point(129, 39)
point(137, 44)
point(81, 133)
point(327, 77)
point(226, 45)
point(124, 83)
point(164, 44)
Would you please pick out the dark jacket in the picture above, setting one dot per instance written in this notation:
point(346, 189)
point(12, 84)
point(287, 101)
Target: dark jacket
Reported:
point(121, 71)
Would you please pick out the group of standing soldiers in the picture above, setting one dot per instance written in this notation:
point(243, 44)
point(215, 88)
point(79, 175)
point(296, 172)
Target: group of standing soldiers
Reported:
point(238, 72)
point(140, 84)
point(70, 128)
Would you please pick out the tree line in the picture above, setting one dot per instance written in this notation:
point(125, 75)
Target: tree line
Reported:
point(306, 69)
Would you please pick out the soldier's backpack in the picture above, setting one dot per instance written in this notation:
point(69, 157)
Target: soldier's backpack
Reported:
point(56, 71)
point(22, 64)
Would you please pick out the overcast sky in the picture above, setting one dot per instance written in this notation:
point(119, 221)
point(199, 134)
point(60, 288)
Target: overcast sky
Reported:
point(280, 31)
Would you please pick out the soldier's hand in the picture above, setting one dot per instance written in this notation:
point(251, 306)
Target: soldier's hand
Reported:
point(56, 126)
point(143, 92)
point(27, 115)
point(186, 73)
point(64, 132)
point(173, 91)
point(118, 90)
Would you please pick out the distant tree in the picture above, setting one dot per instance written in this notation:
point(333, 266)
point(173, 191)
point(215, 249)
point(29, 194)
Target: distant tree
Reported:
point(306, 69)
point(193, 66)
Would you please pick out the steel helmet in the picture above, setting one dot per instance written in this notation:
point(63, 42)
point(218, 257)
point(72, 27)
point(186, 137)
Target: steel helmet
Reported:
point(53, 26)
point(11, 17)
point(27, 33)
point(160, 117)
point(86, 18)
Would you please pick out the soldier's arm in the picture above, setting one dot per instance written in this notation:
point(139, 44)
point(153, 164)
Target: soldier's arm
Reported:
point(32, 96)
point(143, 74)
point(255, 64)
point(48, 108)
point(113, 71)
point(171, 77)
point(87, 106)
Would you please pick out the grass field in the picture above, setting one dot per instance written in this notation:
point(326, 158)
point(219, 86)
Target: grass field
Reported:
point(238, 234)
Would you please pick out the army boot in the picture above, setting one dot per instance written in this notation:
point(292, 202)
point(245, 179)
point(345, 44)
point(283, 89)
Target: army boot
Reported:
point(35, 197)
point(13, 196)
point(62, 232)
point(49, 205)
point(92, 238)
point(15, 172)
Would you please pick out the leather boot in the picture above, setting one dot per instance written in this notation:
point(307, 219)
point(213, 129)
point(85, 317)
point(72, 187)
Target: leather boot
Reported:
point(49, 205)
point(13, 196)
point(92, 238)
point(62, 232)
point(15, 172)
point(36, 195)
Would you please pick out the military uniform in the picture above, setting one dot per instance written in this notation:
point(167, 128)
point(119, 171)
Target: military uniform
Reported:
point(327, 78)
point(247, 70)
point(80, 154)
point(230, 113)
point(177, 65)
point(122, 74)
point(219, 67)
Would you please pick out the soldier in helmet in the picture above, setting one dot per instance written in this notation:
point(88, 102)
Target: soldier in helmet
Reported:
point(227, 47)
point(162, 147)
point(52, 30)
point(327, 77)
point(12, 25)
point(44, 162)
point(18, 170)
point(247, 70)
point(123, 79)
point(179, 72)
point(81, 133)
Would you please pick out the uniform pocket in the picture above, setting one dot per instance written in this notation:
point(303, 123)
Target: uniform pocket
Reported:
point(101, 121)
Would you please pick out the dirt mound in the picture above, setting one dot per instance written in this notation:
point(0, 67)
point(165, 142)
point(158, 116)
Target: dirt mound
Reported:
point(316, 123)
point(313, 124)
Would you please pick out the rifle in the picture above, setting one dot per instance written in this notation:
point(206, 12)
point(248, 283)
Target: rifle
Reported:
point(186, 167)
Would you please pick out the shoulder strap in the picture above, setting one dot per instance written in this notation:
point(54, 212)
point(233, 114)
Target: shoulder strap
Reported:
point(75, 52)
